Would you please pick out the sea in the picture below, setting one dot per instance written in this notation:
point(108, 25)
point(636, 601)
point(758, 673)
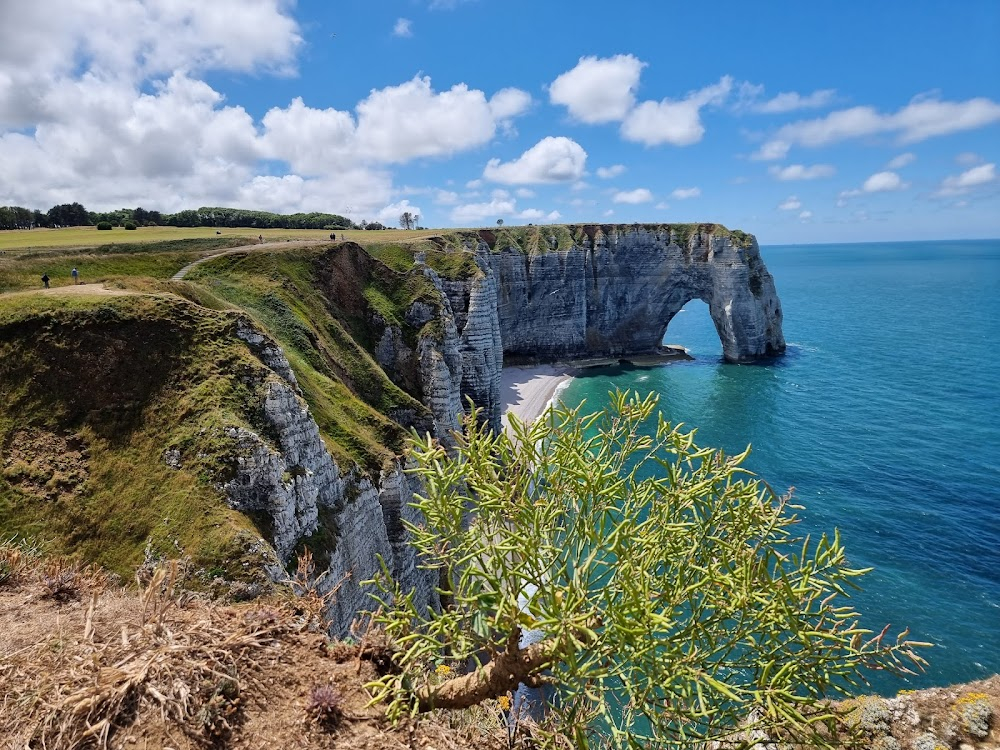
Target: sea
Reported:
point(883, 414)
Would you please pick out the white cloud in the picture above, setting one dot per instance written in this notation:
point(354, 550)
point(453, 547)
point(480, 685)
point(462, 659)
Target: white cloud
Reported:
point(805, 215)
point(639, 195)
point(403, 27)
point(922, 118)
point(791, 203)
point(402, 123)
point(534, 214)
point(312, 141)
point(470, 213)
point(609, 173)
point(968, 159)
point(903, 160)
point(609, 212)
point(661, 206)
point(389, 215)
point(882, 182)
point(474, 184)
point(446, 197)
point(791, 101)
point(802, 172)
point(51, 44)
point(508, 103)
point(675, 122)
point(968, 180)
point(550, 160)
point(685, 193)
point(524, 193)
point(598, 90)
point(771, 151)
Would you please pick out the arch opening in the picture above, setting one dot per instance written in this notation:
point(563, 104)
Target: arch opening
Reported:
point(693, 328)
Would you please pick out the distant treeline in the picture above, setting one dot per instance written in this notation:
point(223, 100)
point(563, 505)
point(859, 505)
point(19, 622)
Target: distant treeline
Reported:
point(74, 215)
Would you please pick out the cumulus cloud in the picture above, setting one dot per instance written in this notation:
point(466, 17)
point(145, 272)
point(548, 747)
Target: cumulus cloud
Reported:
point(609, 173)
point(639, 195)
point(883, 182)
point(661, 206)
point(471, 213)
point(389, 215)
point(675, 122)
point(524, 193)
point(880, 182)
point(43, 46)
point(403, 27)
point(791, 203)
point(903, 160)
point(109, 117)
point(802, 172)
point(534, 214)
point(401, 123)
point(509, 102)
point(968, 180)
point(685, 193)
point(598, 90)
point(552, 159)
point(922, 118)
point(805, 215)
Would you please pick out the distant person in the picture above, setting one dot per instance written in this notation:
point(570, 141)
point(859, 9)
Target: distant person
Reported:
point(333, 235)
point(261, 238)
point(76, 275)
point(45, 280)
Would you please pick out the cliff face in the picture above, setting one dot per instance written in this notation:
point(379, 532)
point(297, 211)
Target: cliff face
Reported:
point(616, 291)
point(289, 479)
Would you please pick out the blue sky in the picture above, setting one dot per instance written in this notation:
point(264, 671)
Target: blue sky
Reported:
point(794, 121)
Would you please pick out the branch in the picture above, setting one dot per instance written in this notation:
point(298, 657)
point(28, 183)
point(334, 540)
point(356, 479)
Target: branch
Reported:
point(497, 678)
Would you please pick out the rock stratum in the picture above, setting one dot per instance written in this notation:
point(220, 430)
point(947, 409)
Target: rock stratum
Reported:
point(275, 388)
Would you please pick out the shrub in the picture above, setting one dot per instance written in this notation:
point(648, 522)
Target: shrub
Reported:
point(104, 226)
point(652, 573)
point(975, 712)
point(130, 225)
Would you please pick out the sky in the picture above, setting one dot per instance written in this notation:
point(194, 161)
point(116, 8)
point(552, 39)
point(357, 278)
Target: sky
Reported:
point(798, 122)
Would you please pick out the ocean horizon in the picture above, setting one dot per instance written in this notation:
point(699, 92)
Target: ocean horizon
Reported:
point(882, 416)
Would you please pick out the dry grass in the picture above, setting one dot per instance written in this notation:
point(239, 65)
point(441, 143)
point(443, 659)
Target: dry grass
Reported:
point(159, 668)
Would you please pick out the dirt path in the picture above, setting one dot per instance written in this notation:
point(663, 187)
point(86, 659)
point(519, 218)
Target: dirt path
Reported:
point(245, 249)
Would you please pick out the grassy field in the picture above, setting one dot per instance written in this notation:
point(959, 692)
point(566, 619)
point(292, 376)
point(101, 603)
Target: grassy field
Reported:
point(13, 240)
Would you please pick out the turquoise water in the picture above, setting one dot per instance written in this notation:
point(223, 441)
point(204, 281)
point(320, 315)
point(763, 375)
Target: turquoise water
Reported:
point(883, 415)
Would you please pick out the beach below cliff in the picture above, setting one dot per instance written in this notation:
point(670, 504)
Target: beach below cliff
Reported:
point(527, 391)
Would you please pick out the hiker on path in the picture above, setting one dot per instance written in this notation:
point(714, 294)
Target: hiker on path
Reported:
point(76, 275)
point(261, 238)
point(45, 280)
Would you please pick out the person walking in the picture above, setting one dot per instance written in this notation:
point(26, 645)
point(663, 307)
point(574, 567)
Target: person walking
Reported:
point(45, 280)
point(76, 275)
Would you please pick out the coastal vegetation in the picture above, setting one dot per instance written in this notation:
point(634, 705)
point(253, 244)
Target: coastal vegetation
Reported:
point(658, 588)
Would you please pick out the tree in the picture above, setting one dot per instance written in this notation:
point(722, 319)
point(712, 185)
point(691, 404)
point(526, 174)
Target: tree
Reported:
point(407, 220)
point(499, 222)
point(671, 597)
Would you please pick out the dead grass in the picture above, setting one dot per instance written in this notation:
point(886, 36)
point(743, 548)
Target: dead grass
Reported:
point(160, 668)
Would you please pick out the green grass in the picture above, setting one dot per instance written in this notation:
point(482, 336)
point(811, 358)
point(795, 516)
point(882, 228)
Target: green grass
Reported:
point(13, 239)
point(128, 377)
point(327, 341)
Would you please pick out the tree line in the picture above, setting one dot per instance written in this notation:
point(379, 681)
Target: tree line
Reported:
point(74, 214)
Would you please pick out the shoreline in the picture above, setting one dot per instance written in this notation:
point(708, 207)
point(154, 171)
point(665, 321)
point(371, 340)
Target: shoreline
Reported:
point(528, 391)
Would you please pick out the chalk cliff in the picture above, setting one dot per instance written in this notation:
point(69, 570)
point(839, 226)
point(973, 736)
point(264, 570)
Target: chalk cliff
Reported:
point(616, 288)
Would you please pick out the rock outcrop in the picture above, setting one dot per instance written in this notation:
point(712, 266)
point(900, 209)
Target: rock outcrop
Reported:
point(289, 479)
point(615, 293)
